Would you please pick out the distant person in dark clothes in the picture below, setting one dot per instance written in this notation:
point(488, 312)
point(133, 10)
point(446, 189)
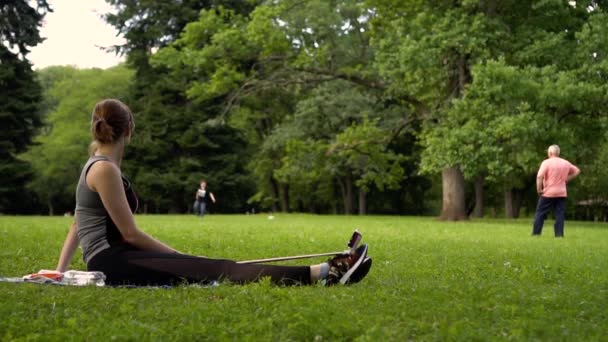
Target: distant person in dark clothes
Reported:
point(112, 242)
point(202, 198)
point(551, 181)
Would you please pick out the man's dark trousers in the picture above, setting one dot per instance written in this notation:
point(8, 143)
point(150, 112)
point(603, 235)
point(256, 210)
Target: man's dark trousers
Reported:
point(545, 204)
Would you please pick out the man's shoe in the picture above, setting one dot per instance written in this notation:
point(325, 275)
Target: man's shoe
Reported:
point(349, 269)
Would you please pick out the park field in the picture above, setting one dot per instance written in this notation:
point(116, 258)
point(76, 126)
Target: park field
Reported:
point(483, 280)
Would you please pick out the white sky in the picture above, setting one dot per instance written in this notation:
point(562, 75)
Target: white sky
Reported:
point(72, 32)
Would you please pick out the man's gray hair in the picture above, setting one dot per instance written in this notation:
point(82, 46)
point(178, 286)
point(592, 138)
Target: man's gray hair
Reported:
point(554, 149)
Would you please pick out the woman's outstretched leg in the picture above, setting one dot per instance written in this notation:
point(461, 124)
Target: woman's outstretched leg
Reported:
point(127, 265)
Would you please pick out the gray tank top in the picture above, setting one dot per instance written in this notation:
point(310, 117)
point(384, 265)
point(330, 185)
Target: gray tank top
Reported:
point(96, 230)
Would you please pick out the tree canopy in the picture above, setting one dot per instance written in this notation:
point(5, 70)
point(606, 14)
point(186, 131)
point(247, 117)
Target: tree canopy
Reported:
point(346, 106)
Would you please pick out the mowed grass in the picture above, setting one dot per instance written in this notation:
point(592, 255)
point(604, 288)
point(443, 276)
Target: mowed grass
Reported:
point(479, 280)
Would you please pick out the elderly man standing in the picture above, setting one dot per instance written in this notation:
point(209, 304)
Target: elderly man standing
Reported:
point(551, 181)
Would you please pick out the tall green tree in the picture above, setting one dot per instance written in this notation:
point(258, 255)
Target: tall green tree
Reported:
point(177, 145)
point(20, 97)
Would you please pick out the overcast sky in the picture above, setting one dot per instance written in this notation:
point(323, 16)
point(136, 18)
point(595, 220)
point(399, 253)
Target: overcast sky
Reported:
point(72, 32)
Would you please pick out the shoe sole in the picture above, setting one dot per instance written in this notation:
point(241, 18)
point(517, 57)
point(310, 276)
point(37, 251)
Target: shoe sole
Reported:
point(362, 251)
point(361, 272)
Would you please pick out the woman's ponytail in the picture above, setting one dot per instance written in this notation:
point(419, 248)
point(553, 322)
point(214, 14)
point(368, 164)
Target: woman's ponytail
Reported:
point(102, 132)
point(110, 120)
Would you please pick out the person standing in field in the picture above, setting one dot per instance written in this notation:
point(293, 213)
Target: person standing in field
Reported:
point(112, 243)
point(202, 198)
point(553, 174)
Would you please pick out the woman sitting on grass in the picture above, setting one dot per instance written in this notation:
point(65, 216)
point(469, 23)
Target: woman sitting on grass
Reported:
point(113, 244)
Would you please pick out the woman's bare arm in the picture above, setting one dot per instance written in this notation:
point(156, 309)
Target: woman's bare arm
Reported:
point(104, 177)
point(67, 251)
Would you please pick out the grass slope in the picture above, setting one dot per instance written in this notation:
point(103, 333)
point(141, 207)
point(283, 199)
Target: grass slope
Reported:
point(431, 280)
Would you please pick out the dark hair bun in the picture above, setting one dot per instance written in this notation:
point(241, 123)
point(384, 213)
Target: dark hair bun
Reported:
point(102, 132)
point(110, 120)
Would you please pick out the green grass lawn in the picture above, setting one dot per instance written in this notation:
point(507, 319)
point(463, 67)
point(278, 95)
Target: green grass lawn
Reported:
point(431, 280)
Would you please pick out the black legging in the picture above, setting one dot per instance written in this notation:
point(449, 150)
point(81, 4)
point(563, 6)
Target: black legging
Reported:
point(126, 265)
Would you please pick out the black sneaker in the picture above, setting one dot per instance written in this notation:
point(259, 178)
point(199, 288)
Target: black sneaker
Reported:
point(361, 272)
point(349, 269)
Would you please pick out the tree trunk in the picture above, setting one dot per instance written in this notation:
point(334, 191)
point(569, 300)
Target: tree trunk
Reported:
point(343, 192)
point(362, 202)
point(350, 196)
point(509, 204)
point(346, 187)
point(275, 194)
point(478, 210)
point(453, 195)
point(513, 200)
point(518, 198)
point(284, 198)
point(51, 209)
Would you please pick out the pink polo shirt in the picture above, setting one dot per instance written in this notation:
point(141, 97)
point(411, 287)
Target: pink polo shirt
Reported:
point(555, 171)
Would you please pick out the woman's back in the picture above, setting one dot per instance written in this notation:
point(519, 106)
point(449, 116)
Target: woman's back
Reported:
point(96, 230)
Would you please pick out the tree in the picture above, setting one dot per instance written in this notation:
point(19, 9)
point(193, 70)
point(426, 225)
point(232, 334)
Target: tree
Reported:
point(336, 137)
point(281, 51)
point(467, 64)
point(310, 165)
point(177, 144)
point(20, 97)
